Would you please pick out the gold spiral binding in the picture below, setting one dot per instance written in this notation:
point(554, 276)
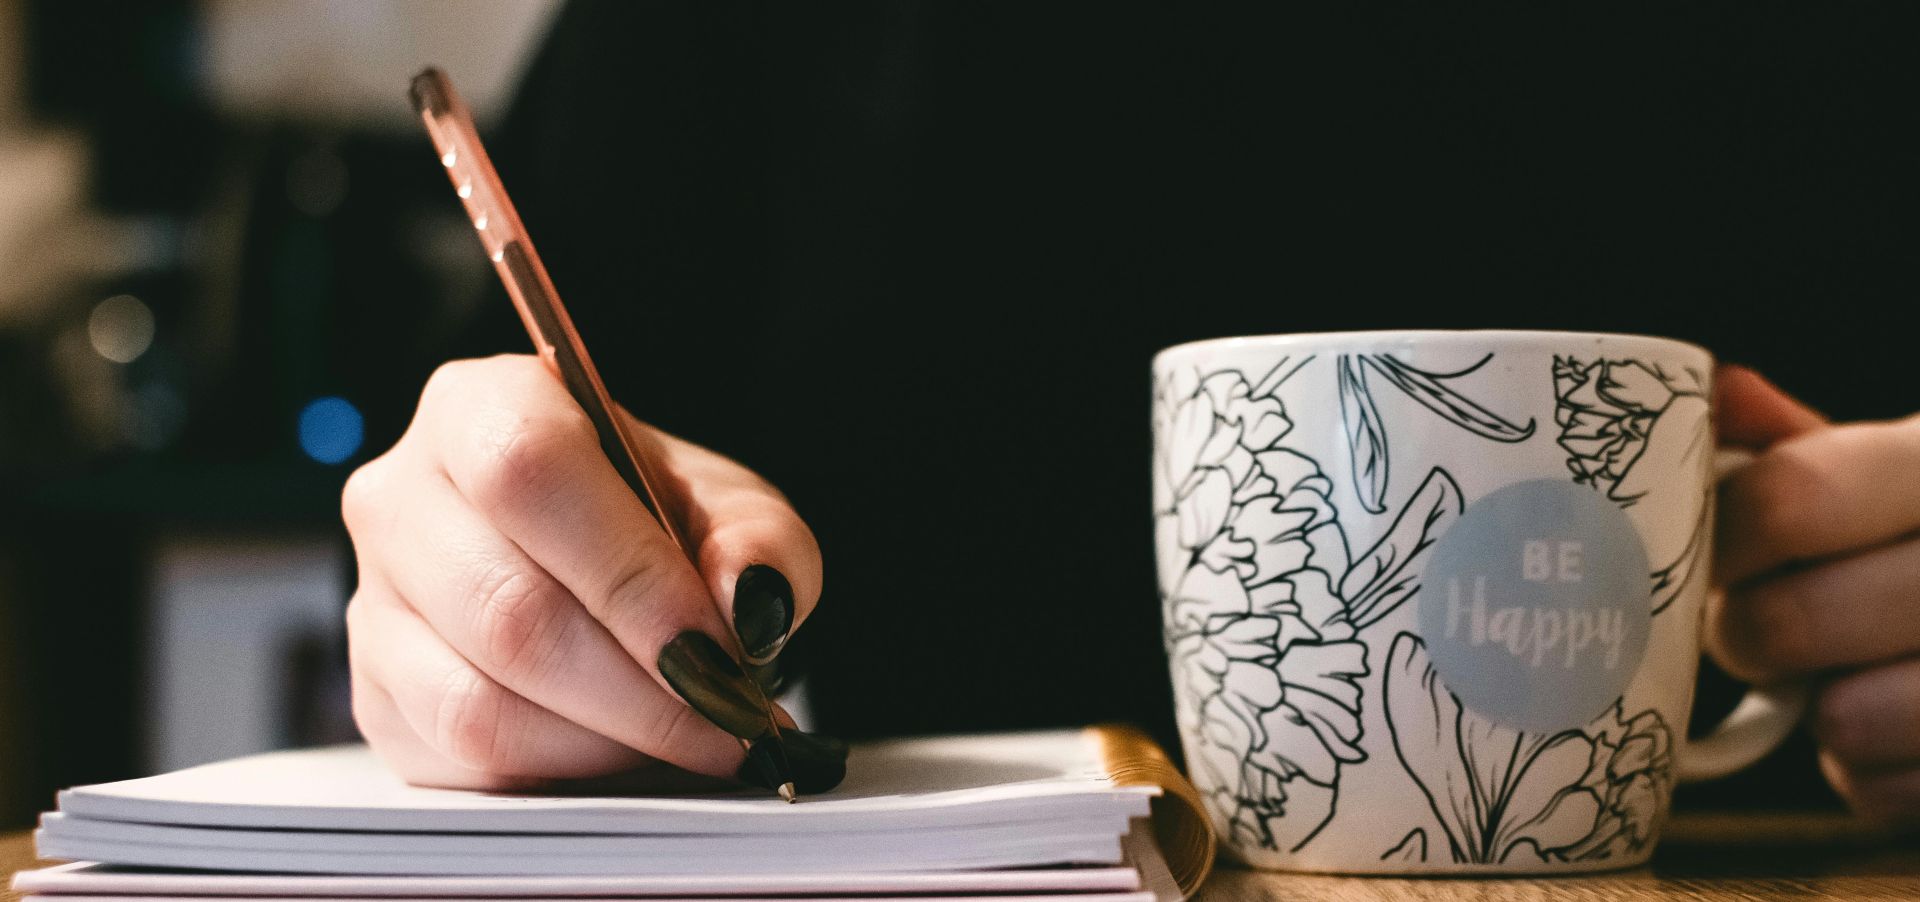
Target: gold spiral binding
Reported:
point(1180, 823)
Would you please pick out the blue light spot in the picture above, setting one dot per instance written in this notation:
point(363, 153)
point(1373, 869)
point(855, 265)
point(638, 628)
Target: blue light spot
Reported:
point(331, 429)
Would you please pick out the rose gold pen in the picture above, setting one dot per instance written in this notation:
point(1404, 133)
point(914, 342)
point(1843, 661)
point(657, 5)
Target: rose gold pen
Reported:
point(554, 338)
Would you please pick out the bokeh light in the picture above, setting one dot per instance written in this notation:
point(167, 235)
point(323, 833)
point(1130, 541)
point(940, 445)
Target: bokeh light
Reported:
point(120, 328)
point(331, 430)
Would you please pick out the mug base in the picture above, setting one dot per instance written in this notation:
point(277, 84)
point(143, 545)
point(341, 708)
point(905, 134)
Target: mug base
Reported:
point(1334, 866)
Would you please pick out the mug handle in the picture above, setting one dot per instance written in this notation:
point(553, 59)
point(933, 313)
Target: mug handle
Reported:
point(1762, 719)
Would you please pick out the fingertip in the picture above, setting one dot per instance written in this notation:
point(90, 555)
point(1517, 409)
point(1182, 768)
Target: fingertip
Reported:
point(763, 568)
point(1867, 718)
point(1744, 637)
point(1836, 720)
point(1886, 798)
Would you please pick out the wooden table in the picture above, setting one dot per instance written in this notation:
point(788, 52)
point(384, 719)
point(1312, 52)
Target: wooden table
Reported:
point(1748, 857)
point(1743, 857)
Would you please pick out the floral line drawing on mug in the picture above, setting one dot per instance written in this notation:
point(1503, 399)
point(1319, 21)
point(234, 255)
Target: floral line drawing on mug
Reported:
point(1690, 566)
point(1367, 432)
point(1275, 666)
point(1615, 413)
point(1497, 792)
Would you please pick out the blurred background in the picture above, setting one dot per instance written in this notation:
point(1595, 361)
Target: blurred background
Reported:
point(222, 250)
point(228, 261)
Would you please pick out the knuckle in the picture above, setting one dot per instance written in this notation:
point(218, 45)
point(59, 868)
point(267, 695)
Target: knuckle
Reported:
point(520, 620)
point(360, 631)
point(447, 381)
point(521, 459)
point(353, 616)
point(470, 725)
point(670, 727)
point(360, 498)
point(639, 598)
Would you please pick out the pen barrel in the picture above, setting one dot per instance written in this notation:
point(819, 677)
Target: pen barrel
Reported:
point(528, 282)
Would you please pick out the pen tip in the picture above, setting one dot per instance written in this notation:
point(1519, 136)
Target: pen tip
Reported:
point(786, 792)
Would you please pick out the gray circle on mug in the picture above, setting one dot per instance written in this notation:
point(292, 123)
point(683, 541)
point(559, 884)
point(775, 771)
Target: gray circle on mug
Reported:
point(1536, 605)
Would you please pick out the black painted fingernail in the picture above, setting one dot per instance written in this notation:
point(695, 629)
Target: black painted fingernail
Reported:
point(762, 612)
point(702, 672)
point(818, 762)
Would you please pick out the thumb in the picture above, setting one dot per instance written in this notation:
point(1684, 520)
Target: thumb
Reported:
point(1754, 413)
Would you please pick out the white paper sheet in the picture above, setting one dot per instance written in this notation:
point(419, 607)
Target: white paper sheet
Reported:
point(898, 785)
point(84, 878)
point(929, 844)
point(1100, 849)
point(1086, 897)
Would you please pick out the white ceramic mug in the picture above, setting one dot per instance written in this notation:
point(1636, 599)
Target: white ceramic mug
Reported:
point(1432, 599)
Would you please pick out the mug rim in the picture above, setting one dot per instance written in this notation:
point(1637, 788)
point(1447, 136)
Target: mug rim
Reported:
point(1430, 336)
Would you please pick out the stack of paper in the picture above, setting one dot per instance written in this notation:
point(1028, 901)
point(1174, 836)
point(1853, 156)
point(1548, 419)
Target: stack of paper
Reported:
point(1005, 815)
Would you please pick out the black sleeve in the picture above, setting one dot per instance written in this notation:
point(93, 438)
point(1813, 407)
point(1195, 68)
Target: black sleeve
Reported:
point(634, 151)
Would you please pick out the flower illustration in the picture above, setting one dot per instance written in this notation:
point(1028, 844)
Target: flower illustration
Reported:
point(1632, 776)
point(1608, 411)
point(1275, 711)
point(1260, 594)
point(1502, 795)
point(1625, 424)
point(1250, 555)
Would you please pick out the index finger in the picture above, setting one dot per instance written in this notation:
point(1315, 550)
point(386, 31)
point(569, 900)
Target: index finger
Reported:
point(515, 444)
point(760, 561)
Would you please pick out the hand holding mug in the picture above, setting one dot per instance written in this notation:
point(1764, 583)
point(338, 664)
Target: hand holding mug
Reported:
point(1817, 545)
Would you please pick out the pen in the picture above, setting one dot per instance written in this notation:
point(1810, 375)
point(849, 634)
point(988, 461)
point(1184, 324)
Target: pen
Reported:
point(557, 343)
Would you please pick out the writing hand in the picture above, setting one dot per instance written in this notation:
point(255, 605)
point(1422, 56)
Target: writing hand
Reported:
point(521, 617)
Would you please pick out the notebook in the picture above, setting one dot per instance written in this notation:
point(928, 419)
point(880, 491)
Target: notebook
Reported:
point(922, 816)
point(1143, 877)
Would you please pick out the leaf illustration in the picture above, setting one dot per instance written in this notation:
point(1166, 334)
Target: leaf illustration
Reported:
point(1366, 435)
point(1384, 577)
point(1431, 391)
point(1425, 723)
point(1501, 794)
point(1673, 580)
point(1547, 804)
point(1675, 442)
point(1411, 849)
point(1278, 376)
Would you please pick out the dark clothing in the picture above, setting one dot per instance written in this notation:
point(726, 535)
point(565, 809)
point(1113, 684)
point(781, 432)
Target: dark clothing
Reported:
point(910, 260)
